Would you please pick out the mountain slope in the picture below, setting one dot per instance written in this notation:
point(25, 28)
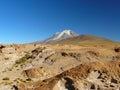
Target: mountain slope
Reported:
point(85, 38)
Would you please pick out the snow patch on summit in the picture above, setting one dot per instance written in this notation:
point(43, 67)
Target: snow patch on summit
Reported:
point(60, 35)
point(65, 34)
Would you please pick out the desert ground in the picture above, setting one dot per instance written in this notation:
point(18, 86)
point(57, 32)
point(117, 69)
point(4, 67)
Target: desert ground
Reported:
point(83, 66)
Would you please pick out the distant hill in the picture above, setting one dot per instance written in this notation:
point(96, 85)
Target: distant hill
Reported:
point(69, 36)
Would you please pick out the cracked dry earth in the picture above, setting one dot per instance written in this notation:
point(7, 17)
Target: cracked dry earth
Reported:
point(59, 67)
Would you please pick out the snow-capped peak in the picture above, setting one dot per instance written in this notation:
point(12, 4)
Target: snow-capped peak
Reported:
point(65, 34)
point(60, 36)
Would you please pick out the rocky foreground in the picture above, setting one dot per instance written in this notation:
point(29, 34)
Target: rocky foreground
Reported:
point(59, 67)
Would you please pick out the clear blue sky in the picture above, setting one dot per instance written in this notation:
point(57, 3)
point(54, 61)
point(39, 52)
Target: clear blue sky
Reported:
point(23, 21)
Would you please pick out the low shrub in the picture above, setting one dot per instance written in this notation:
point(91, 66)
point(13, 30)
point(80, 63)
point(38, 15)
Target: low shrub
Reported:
point(6, 78)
